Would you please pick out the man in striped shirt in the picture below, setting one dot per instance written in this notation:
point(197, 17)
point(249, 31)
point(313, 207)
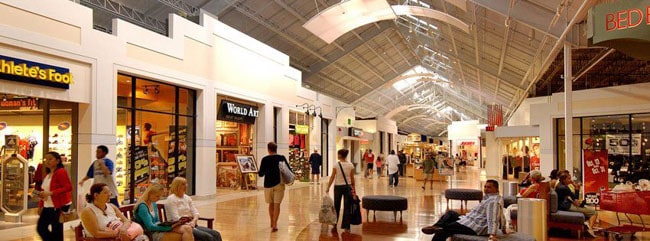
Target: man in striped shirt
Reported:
point(484, 219)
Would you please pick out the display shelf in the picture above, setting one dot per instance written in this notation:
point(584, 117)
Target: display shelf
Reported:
point(14, 186)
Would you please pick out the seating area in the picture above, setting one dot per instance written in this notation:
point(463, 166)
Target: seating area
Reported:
point(463, 195)
point(384, 203)
point(127, 211)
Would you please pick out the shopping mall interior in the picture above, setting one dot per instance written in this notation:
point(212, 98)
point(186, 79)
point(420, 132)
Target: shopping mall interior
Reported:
point(463, 91)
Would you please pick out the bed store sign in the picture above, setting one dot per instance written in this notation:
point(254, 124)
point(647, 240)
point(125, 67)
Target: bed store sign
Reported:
point(623, 25)
point(34, 73)
point(237, 112)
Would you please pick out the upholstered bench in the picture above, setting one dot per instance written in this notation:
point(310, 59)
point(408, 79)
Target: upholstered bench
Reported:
point(384, 203)
point(500, 237)
point(559, 219)
point(463, 195)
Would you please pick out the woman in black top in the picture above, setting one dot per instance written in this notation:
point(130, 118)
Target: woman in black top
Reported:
point(273, 188)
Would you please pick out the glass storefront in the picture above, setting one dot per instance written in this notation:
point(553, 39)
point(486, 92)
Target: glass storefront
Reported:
point(235, 132)
point(299, 127)
point(38, 126)
point(155, 135)
point(624, 137)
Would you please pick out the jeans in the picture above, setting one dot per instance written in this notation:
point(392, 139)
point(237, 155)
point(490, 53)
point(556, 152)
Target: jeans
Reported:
point(450, 227)
point(393, 179)
point(343, 191)
point(206, 234)
point(50, 217)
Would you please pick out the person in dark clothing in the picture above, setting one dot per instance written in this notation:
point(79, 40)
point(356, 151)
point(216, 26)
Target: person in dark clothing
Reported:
point(316, 161)
point(273, 187)
point(402, 162)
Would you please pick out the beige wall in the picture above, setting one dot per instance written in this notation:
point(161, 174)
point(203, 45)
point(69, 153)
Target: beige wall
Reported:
point(212, 58)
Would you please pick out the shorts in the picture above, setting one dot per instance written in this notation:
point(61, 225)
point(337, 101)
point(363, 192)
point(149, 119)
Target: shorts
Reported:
point(369, 165)
point(274, 194)
point(428, 176)
point(315, 170)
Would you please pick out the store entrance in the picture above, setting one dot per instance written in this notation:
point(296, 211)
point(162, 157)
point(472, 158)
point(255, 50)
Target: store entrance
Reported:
point(36, 126)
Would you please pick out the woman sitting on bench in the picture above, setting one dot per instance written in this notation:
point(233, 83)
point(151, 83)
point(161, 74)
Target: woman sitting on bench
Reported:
point(146, 213)
point(102, 219)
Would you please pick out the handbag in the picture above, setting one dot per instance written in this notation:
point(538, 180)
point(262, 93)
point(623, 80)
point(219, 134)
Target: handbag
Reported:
point(135, 231)
point(355, 203)
point(286, 176)
point(68, 216)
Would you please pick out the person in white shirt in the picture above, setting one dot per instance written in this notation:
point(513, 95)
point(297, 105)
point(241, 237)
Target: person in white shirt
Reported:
point(343, 179)
point(178, 205)
point(393, 162)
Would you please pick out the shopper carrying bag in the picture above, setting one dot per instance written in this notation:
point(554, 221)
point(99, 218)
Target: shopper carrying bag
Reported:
point(342, 189)
point(56, 198)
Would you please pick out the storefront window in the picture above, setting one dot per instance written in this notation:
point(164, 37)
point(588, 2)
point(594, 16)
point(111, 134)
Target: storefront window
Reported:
point(623, 137)
point(35, 126)
point(298, 144)
point(235, 132)
point(154, 138)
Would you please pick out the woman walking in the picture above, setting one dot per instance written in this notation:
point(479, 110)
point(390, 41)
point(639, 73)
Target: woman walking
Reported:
point(343, 179)
point(55, 198)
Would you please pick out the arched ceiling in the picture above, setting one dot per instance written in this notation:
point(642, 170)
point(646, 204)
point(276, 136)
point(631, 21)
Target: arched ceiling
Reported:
point(503, 59)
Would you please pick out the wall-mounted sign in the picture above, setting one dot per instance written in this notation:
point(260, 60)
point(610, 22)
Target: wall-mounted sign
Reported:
point(356, 132)
point(19, 104)
point(302, 129)
point(237, 112)
point(34, 73)
point(623, 25)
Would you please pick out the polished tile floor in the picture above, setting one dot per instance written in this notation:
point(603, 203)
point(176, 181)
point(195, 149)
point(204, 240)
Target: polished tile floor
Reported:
point(243, 215)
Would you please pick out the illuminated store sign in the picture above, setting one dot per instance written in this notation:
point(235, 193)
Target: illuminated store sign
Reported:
point(302, 129)
point(623, 25)
point(34, 73)
point(19, 104)
point(237, 112)
point(356, 132)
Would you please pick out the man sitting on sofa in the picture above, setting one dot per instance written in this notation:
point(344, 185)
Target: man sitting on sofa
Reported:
point(484, 219)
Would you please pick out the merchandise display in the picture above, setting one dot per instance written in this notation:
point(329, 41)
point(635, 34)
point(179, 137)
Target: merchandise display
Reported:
point(233, 139)
point(14, 183)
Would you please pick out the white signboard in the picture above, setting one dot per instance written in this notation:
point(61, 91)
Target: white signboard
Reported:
point(619, 144)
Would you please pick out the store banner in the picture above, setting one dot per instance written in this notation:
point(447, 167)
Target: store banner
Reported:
point(620, 144)
point(623, 25)
point(534, 158)
point(26, 71)
point(594, 167)
point(140, 156)
point(237, 112)
point(177, 156)
point(19, 104)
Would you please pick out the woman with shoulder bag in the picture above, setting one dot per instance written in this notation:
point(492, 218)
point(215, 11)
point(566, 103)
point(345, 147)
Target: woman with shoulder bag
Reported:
point(343, 179)
point(56, 197)
point(101, 219)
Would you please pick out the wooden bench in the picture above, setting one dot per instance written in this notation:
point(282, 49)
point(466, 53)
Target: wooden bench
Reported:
point(127, 211)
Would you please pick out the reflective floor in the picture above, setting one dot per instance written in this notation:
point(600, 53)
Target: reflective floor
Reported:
point(243, 215)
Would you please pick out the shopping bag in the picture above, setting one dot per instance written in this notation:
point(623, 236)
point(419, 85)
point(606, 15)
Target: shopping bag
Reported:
point(355, 211)
point(286, 176)
point(327, 214)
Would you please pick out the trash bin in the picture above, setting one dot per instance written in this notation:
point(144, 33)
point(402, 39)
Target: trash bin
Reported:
point(510, 188)
point(531, 218)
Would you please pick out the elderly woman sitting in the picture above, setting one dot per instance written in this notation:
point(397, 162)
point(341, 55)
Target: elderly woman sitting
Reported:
point(179, 205)
point(146, 213)
point(102, 219)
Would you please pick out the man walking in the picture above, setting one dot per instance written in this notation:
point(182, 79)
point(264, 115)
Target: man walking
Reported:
point(402, 162)
point(273, 187)
point(316, 161)
point(102, 172)
point(484, 219)
point(393, 175)
point(428, 171)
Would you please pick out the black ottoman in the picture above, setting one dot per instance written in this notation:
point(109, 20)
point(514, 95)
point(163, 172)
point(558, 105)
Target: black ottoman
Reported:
point(500, 237)
point(463, 195)
point(384, 203)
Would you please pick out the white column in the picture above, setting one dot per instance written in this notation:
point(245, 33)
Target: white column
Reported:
point(205, 156)
point(283, 131)
point(493, 163)
point(568, 110)
point(264, 130)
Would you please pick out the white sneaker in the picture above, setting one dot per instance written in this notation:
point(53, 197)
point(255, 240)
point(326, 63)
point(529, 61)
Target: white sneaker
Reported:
point(591, 232)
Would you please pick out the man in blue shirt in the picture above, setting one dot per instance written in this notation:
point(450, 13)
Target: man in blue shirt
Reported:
point(484, 219)
point(316, 161)
point(101, 171)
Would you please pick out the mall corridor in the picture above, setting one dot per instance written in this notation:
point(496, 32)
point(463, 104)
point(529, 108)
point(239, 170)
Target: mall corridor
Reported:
point(243, 215)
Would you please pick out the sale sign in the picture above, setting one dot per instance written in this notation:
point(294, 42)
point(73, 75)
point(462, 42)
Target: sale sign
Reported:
point(594, 167)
